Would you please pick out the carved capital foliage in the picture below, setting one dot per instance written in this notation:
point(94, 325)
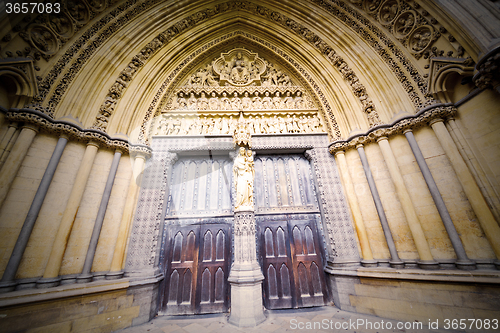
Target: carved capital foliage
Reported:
point(488, 71)
point(72, 131)
point(422, 118)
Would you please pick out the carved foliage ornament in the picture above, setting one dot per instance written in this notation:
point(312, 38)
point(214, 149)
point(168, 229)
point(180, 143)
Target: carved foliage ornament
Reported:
point(131, 9)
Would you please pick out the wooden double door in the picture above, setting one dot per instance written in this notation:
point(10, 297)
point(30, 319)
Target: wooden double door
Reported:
point(197, 267)
point(292, 263)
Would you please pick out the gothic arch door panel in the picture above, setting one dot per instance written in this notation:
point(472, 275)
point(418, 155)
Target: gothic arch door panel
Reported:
point(307, 264)
point(212, 292)
point(181, 272)
point(197, 268)
point(196, 251)
point(292, 263)
point(287, 215)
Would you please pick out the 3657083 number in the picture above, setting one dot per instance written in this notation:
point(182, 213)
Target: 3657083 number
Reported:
point(32, 8)
point(480, 324)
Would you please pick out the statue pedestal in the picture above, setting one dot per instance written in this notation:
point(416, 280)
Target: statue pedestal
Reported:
point(246, 276)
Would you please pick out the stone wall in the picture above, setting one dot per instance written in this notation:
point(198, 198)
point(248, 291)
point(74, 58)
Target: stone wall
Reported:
point(414, 296)
point(106, 307)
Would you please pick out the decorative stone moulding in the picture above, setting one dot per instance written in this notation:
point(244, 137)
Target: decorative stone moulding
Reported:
point(83, 48)
point(404, 24)
point(420, 39)
point(422, 118)
point(239, 67)
point(388, 12)
point(42, 39)
point(73, 131)
point(440, 68)
point(488, 70)
point(23, 73)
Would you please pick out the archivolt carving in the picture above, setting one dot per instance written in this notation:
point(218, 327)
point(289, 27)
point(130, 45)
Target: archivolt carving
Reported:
point(415, 29)
point(130, 9)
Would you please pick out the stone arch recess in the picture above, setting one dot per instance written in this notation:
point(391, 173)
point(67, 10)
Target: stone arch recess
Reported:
point(404, 69)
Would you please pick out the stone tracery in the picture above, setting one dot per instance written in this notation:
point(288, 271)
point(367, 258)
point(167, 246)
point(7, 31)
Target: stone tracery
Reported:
point(239, 81)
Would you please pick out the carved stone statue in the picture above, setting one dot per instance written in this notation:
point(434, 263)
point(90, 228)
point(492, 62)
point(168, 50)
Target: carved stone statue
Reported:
point(299, 101)
point(202, 102)
point(236, 102)
point(213, 102)
point(192, 102)
point(225, 103)
point(246, 102)
point(288, 101)
point(243, 171)
point(239, 72)
point(181, 102)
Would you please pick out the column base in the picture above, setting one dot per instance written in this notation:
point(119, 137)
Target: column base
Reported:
point(84, 278)
point(428, 264)
point(340, 263)
point(7, 286)
point(48, 282)
point(397, 264)
point(369, 263)
point(466, 265)
point(247, 309)
point(114, 275)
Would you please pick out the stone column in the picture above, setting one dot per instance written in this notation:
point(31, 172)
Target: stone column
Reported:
point(15, 158)
point(86, 276)
point(463, 261)
point(115, 271)
point(426, 260)
point(22, 240)
point(50, 276)
point(395, 262)
point(476, 199)
point(246, 277)
point(356, 211)
point(7, 138)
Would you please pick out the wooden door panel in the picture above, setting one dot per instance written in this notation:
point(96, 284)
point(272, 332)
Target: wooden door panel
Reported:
point(197, 268)
point(181, 268)
point(277, 264)
point(306, 255)
point(213, 290)
point(292, 264)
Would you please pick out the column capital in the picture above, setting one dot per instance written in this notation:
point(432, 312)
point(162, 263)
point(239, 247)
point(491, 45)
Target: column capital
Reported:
point(32, 127)
point(408, 130)
point(359, 145)
point(339, 152)
point(382, 138)
point(436, 120)
point(93, 143)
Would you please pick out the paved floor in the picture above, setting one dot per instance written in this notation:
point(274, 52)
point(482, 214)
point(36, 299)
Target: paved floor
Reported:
point(322, 319)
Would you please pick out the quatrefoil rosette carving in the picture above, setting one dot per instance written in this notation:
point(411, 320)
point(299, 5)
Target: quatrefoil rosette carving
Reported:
point(239, 67)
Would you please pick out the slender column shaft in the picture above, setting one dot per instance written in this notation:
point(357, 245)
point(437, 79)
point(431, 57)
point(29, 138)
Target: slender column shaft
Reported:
point(2, 118)
point(121, 241)
point(36, 205)
point(476, 199)
point(69, 215)
point(395, 261)
point(7, 138)
point(423, 249)
point(438, 200)
point(16, 157)
point(353, 203)
point(89, 258)
point(477, 170)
